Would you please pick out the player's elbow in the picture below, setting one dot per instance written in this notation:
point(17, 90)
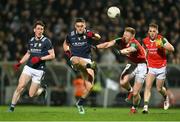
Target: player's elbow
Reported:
point(171, 49)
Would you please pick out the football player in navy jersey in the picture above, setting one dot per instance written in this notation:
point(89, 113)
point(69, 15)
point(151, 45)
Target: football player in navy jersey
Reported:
point(77, 46)
point(40, 50)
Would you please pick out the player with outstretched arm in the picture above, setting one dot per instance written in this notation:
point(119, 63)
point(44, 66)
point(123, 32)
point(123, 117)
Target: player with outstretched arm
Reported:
point(135, 68)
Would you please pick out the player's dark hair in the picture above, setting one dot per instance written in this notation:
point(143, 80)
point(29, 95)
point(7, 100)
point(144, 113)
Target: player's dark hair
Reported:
point(80, 20)
point(153, 25)
point(131, 30)
point(39, 22)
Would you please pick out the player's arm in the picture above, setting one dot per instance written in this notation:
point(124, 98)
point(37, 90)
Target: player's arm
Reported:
point(25, 57)
point(105, 44)
point(66, 46)
point(145, 48)
point(93, 35)
point(23, 60)
point(131, 49)
point(50, 56)
point(167, 45)
point(108, 44)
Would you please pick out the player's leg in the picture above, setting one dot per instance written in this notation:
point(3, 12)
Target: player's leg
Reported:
point(160, 86)
point(136, 96)
point(125, 77)
point(88, 83)
point(36, 88)
point(88, 76)
point(162, 90)
point(147, 91)
point(23, 80)
point(86, 63)
point(140, 74)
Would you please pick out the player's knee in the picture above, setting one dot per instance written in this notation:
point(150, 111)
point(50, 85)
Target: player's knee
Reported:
point(122, 82)
point(74, 61)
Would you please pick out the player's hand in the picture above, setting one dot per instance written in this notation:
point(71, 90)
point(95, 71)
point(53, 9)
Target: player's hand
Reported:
point(68, 54)
point(35, 60)
point(16, 66)
point(90, 34)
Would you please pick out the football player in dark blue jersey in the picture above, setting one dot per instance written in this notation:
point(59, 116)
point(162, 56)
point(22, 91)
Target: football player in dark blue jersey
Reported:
point(39, 51)
point(77, 47)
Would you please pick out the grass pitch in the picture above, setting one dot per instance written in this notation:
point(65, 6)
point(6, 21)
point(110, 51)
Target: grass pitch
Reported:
point(42, 113)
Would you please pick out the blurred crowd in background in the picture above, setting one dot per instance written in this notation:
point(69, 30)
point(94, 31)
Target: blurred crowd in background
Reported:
point(18, 16)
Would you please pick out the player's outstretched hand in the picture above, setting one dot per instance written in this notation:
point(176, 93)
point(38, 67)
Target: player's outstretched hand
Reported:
point(16, 66)
point(90, 34)
point(35, 60)
point(68, 54)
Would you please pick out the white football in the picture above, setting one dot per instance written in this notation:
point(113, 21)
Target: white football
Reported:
point(113, 12)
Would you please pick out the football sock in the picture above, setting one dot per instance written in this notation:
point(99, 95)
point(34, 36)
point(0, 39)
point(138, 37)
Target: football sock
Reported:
point(12, 105)
point(81, 101)
point(145, 103)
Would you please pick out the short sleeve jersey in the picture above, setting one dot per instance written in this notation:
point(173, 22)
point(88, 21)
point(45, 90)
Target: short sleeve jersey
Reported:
point(38, 48)
point(79, 44)
point(156, 58)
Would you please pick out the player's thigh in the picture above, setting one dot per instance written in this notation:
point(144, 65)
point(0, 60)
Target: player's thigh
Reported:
point(75, 60)
point(127, 72)
point(149, 80)
point(140, 72)
point(126, 79)
point(84, 61)
point(23, 80)
point(37, 77)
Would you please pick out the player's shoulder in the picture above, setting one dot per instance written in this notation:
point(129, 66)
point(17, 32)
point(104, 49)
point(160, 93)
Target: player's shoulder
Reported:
point(146, 39)
point(71, 33)
point(45, 40)
point(32, 39)
point(134, 40)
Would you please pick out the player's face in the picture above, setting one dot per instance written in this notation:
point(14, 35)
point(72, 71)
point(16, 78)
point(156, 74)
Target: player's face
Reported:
point(80, 27)
point(152, 33)
point(38, 30)
point(127, 36)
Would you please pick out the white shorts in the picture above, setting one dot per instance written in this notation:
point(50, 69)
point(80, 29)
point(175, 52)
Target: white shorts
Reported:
point(138, 71)
point(36, 75)
point(160, 73)
point(85, 59)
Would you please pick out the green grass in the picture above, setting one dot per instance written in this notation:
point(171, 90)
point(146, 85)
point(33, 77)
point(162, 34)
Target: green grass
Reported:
point(41, 113)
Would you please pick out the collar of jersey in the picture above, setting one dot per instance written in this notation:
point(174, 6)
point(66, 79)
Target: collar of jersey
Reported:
point(40, 38)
